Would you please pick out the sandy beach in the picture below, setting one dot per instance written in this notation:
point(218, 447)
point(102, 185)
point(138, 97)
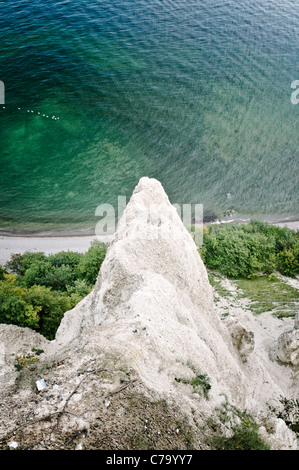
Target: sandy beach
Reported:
point(292, 225)
point(10, 244)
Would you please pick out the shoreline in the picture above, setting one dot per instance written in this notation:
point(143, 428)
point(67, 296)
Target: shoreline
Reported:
point(52, 243)
point(292, 221)
point(12, 244)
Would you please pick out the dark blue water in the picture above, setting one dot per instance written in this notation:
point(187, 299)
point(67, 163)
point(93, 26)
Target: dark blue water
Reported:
point(196, 94)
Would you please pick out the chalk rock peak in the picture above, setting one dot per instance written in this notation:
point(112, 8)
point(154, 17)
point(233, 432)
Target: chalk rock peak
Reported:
point(150, 323)
point(153, 301)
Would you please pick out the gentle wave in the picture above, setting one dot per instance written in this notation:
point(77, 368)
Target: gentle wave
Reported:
point(196, 94)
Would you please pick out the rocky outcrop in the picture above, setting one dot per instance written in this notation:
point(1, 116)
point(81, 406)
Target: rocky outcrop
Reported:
point(286, 349)
point(242, 339)
point(147, 338)
point(14, 342)
point(154, 304)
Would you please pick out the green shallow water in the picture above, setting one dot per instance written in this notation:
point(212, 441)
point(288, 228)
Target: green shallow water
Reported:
point(194, 94)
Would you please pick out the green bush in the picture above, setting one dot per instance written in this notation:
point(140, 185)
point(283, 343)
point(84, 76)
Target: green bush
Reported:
point(244, 250)
point(89, 265)
point(2, 272)
point(58, 278)
point(19, 264)
point(15, 309)
point(23, 360)
point(40, 289)
point(245, 437)
point(52, 305)
point(66, 258)
point(244, 431)
point(79, 287)
point(44, 273)
point(37, 273)
point(288, 261)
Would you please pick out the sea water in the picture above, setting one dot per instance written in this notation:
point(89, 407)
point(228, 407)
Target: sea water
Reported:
point(99, 93)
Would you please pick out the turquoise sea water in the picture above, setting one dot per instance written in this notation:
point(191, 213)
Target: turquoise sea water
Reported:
point(196, 94)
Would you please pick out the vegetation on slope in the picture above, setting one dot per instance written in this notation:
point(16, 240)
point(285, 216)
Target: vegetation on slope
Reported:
point(36, 290)
point(247, 250)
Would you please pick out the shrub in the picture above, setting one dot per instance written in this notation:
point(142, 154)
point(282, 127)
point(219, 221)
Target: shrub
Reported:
point(40, 288)
point(288, 261)
point(66, 258)
point(79, 287)
point(22, 360)
point(245, 250)
point(200, 383)
point(52, 306)
point(37, 273)
point(19, 264)
point(2, 272)
point(243, 430)
point(59, 277)
point(90, 263)
point(43, 273)
point(245, 437)
point(14, 307)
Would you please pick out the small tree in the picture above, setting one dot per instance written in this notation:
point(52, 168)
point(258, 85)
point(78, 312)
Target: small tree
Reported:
point(52, 307)
point(14, 307)
point(90, 263)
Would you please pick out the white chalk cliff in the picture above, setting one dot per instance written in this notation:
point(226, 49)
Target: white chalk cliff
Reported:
point(152, 317)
